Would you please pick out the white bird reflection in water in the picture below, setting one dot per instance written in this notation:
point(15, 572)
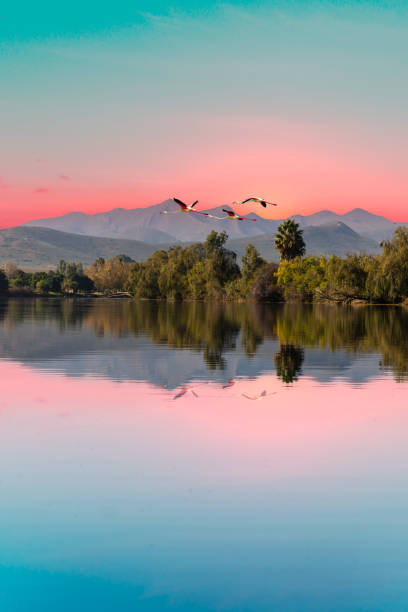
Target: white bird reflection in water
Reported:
point(260, 396)
point(185, 390)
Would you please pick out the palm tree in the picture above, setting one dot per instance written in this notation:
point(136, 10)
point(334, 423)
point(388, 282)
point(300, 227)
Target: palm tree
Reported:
point(289, 240)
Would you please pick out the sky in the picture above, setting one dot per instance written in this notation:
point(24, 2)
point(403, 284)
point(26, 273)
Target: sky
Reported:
point(125, 104)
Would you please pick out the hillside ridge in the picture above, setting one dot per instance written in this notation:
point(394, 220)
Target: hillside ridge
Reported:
point(41, 247)
point(149, 225)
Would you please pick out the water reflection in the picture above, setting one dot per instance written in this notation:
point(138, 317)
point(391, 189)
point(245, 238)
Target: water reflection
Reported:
point(241, 486)
point(171, 344)
point(288, 362)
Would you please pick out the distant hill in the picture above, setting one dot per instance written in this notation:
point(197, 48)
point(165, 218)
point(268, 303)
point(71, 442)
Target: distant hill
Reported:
point(337, 239)
point(39, 247)
point(361, 221)
point(331, 239)
point(149, 225)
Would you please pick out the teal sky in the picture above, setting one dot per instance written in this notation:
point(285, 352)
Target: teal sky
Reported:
point(110, 104)
point(27, 20)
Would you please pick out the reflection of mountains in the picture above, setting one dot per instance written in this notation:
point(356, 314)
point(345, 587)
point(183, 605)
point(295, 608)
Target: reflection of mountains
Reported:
point(170, 344)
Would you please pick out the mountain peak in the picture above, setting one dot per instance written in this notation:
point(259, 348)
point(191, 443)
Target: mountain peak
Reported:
point(148, 225)
point(360, 212)
point(334, 226)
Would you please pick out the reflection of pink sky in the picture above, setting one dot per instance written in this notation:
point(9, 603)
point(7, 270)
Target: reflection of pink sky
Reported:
point(298, 431)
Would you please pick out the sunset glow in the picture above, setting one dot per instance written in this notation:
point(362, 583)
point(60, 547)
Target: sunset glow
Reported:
point(303, 103)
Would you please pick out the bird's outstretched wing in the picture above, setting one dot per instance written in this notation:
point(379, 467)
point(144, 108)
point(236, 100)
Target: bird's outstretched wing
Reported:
point(219, 218)
point(234, 215)
point(180, 203)
point(194, 203)
point(260, 201)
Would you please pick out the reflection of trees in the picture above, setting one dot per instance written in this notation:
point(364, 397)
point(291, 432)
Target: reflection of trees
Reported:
point(208, 328)
point(358, 330)
point(3, 309)
point(288, 362)
point(213, 329)
point(67, 313)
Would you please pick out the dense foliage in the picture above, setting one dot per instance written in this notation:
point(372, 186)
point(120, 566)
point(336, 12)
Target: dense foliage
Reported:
point(375, 278)
point(210, 271)
point(197, 272)
point(68, 278)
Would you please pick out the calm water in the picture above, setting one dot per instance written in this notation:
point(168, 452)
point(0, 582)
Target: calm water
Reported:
point(188, 457)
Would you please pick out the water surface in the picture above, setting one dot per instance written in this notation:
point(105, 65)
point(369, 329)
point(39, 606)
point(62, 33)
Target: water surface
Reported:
point(202, 457)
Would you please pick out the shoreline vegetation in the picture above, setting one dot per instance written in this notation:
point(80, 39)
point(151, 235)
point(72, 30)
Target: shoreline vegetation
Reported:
point(208, 271)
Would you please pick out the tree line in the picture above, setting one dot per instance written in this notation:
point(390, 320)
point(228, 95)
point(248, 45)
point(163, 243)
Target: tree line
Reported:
point(68, 278)
point(199, 271)
point(367, 278)
point(210, 271)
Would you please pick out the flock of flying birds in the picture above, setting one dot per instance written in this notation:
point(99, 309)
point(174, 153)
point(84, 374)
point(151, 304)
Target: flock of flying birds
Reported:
point(190, 389)
point(188, 208)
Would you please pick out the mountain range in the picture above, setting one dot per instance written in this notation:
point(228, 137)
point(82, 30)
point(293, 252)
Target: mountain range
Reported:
point(149, 225)
point(139, 232)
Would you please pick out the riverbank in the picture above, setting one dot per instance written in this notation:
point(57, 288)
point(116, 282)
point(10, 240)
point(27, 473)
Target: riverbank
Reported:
point(23, 294)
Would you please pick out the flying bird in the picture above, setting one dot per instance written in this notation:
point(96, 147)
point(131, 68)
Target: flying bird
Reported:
point(232, 215)
point(260, 201)
point(183, 208)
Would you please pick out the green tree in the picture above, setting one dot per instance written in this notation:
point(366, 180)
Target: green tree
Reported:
point(109, 275)
point(65, 269)
point(265, 288)
point(197, 278)
point(173, 278)
point(221, 264)
point(387, 277)
point(22, 279)
point(251, 262)
point(346, 278)
point(289, 240)
point(75, 282)
point(147, 280)
point(300, 279)
point(51, 283)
